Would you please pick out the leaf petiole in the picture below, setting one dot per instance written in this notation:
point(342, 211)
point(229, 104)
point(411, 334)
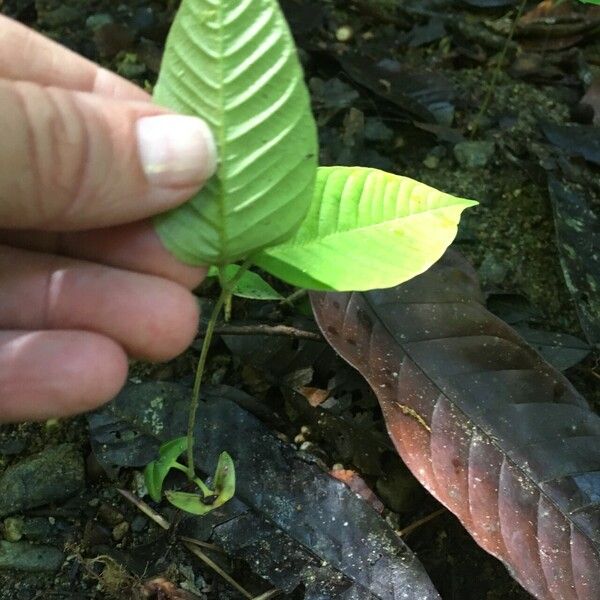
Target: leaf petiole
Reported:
point(226, 289)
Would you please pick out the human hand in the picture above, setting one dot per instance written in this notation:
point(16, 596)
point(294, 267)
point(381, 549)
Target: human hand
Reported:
point(85, 159)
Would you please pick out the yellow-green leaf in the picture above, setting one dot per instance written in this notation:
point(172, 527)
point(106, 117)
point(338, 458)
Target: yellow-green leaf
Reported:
point(366, 229)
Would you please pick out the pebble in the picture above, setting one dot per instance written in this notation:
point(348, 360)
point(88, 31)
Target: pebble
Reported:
point(474, 155)
point(120, 531)
point(109, 515)
point(34, 529)
point(61, 16)
point(23, 556)
point(139, 523)
point(344, 34)
point(95, 534)
point(96, 21)
point(431, 161)
point(51, 476)
point(493, 271)
point(13, 529)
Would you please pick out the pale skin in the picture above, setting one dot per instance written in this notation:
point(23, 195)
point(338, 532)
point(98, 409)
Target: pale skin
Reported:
point(84, 281)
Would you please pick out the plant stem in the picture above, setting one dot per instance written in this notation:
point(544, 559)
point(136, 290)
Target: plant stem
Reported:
point(492, 85)
point(226, 287)
point(223, 282)
point(227, 313)
point(271, 330)
point(203, 487)
point(297, 295)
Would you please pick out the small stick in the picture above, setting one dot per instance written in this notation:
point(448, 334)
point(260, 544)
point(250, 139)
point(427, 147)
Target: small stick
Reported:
point(271, 330)
point(420, 522)
point(197, 552)
point(496, 73)
point(297, 295)
point(267, 595)
point(147, 510)
point(202, 544)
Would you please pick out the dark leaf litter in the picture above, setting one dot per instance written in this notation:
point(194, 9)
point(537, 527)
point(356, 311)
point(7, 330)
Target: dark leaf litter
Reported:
point(334, 542)
point(488, 427)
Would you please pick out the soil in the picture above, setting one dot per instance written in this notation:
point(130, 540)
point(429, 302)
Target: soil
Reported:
point(511, 239)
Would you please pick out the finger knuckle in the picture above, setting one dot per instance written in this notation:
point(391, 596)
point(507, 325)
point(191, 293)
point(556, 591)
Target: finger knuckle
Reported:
point(57, 149)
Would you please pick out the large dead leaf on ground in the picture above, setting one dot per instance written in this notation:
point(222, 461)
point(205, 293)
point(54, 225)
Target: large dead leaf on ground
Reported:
point(291, 521)
point(489, 428)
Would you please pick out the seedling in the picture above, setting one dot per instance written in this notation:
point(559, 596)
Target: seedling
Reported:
point(234, 63)
point(223, 480)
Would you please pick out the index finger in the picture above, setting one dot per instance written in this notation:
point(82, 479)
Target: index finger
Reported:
point(28, 56)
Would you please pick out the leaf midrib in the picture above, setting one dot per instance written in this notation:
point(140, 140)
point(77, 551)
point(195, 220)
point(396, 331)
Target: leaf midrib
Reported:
point(221, 133)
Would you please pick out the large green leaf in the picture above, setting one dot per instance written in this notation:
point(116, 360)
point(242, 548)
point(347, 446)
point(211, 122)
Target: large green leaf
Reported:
point(366, 229)
point(234, 63)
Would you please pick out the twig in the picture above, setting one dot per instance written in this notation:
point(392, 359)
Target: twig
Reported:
point(202, 544)
point(147, 510)
point(273, 330)
point(492, 86)
point(215, 567)
point(267, 595)
point(297, 295)
point(417, 524)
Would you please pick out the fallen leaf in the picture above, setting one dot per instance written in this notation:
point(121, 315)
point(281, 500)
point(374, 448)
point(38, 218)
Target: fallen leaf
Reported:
point(358, 485)
point(315, 396)
point(576, 140)
point(290, 520)
point(489, 428)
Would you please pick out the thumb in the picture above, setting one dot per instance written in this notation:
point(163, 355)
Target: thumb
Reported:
point(73, 160)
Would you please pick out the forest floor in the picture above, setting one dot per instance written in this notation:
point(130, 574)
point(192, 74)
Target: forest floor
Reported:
point(455, 94)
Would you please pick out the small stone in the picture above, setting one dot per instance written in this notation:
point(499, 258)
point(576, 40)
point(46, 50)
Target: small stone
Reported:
point(344, 34)
point(23, 556)
point(109, 515)
point(139, 523)
point(36, 529)
point(377, 131)
point(492, 270)
point(39, 529)
point(474, 155)
point(306, 446)
point(299, 439)
point(51, 476)
point(120, 531)
point(138, 484)
point(13, 529)
point(96, 21)
point(431, 162)
point(61, 16)
point(95, 534)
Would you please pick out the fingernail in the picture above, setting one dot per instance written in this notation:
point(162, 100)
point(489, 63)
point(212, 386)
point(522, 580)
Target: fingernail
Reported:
point(176, 150)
